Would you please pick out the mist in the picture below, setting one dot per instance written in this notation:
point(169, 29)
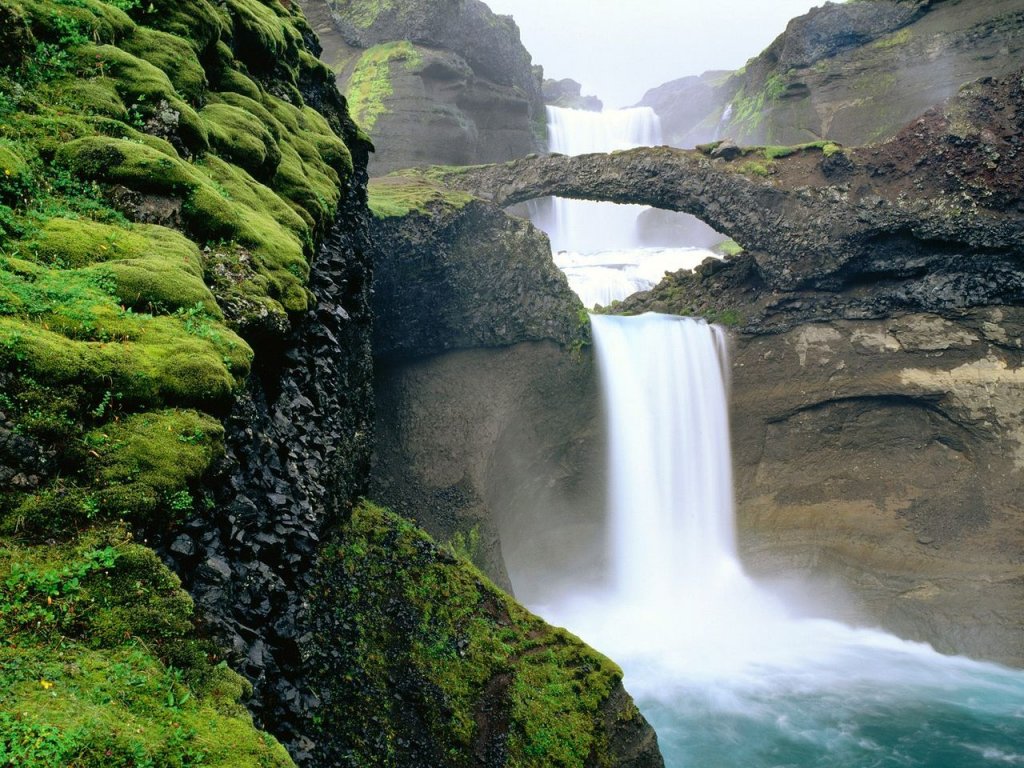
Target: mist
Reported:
point(620, 50)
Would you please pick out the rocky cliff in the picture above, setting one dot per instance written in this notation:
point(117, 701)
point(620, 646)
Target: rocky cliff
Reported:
point(431, 82)
point(876, 378)
point(852, 72)
point(185, 347)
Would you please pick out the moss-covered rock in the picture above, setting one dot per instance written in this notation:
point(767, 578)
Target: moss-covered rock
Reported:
point(100, 667)
point(436, 666)
point(132, 136)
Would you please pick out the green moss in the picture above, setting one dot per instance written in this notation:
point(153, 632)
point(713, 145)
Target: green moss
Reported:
point(149, 464)
point(363, 13)
point(145, 88)
point(261, 39)
point(370, 83)
point(80, 20)
point(241, 137)
point(728, 248)
point(203, 22)
point(894, 40)
point(172, 55)
point(418, 620)
point(755, 168)
point(748, 110)
point(399, 195)
point(209, 211)
point(99, 667)
point(97, 96)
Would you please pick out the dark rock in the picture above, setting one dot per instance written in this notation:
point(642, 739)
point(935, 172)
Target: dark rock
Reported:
point(568, 93)
point(726, 150)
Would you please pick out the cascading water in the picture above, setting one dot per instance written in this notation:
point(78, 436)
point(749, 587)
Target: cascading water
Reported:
point(725, 673)
point(596, 244)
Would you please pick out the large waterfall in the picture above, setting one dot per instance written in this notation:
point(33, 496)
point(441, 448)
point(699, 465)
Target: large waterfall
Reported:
point(727, 673)
point(599, 245)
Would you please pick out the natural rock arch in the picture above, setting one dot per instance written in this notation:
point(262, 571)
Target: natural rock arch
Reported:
point(816, 215)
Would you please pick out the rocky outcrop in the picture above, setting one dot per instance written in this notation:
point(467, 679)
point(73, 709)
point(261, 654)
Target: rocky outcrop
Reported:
point(442, 83)
point(690, 108)
point(569, 94)
point(851, 72)
point(876, 379)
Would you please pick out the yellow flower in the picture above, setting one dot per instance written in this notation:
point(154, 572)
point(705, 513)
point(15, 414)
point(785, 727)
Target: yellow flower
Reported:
point(47, 685)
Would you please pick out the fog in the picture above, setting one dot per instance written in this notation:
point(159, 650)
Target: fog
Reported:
point(619, 50)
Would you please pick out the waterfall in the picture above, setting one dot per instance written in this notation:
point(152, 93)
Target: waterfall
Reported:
point(726, 672)
point(670, 520)
point(584, 226)
point(598, 244)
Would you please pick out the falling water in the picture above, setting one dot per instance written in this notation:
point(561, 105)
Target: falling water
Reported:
point(596, 244)
point(719, 665)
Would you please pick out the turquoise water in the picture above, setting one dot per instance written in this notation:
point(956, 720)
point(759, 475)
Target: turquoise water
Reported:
point(972, 720)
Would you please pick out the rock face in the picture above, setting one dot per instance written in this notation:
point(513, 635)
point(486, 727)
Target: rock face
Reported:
point(479, 395)
point(568, 93)
point(852, 72)
point(877, 393)
point(433, 83)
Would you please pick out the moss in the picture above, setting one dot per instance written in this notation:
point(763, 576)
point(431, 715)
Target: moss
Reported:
point(16, 176)
point(369, 86)
point(172, 55)
point(894, 40)
point(400, 195)
point(100, 668)
point(144, 87)
point(363, 13)
point(209, 211)
point(89, 20)
point(97, 97)
point(150, 464)
point(419, 620)
point(203, 22)
point(241, 137)
point(728, 248)
point(260, 37)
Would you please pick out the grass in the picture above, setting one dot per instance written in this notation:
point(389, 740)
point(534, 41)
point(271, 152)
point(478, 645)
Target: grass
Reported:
point(399, 195)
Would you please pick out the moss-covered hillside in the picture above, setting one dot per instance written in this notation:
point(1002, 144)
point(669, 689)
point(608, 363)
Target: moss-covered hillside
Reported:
point(163, 185)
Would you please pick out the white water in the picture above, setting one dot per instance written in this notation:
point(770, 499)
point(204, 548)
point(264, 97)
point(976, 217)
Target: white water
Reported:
point(597, 244)
point(718, 664)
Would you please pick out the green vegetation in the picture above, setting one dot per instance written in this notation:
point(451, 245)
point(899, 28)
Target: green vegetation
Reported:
point(401, 194)
point(370, 83)
point(363, 13)
point(728, 248)
point(116, 357)
point(748, 110)
point(100, 666)
point(755, 168)
point(897, 38)
point(417, 620)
